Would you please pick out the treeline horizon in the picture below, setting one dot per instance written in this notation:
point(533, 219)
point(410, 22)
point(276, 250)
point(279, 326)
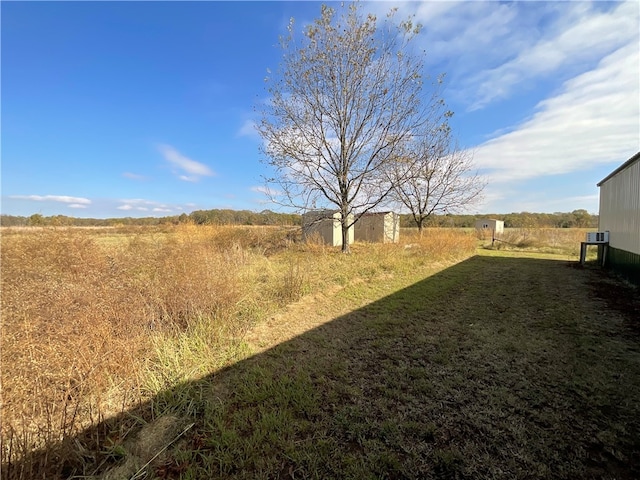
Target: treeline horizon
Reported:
point(575, 219)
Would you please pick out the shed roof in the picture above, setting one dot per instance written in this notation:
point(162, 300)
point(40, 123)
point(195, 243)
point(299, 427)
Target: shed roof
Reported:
point(626, 164)
point(370, 214)
point(321, 211)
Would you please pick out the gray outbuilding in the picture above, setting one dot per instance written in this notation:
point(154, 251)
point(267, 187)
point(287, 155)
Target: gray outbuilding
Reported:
point(620, 216)
point(325, 225)
point(378, 227)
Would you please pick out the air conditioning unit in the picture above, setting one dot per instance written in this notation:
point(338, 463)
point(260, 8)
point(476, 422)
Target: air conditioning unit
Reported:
point(598, 237)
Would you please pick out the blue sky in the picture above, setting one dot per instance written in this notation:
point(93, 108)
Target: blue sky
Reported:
point(114, 109)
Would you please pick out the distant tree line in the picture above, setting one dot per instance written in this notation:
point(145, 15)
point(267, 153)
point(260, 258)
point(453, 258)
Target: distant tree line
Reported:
point(243, 217)
point(38, 220)
point(199, 217)
point(574, 219)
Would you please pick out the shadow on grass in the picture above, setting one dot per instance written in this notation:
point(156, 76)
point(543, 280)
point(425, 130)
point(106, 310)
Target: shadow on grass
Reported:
point(494, 368)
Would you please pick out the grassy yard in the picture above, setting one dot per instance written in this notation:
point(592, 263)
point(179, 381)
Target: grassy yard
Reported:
point(507, 364)
point(498, 367)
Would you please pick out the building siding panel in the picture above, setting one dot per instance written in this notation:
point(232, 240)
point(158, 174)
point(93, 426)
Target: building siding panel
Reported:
point(490, 224)
point(620, 209)
point(625, 263)
point(382, 227)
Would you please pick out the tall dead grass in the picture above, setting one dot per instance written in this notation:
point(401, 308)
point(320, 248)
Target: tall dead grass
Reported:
point(440, 243)
point(79, 319)
point(546, 240)
point(95, 321)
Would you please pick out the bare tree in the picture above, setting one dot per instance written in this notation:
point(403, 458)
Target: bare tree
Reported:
point(346, 98)
point(437, 177)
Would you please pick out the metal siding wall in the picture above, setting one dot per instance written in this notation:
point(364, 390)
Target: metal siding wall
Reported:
point(378, 228)
point(620, 209)
point(368, 229)
point(625, 263)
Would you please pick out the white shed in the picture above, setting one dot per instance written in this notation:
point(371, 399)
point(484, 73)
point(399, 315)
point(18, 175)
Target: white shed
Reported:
point(325, 225)
point(490, 225)
point(620, 215)
point(378, 227)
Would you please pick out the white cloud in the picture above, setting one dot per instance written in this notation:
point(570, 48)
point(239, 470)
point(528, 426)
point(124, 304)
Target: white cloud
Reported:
point(493, 50)
point(586, 52)
point(187, 178)
point(266, 191)
point(191, 170)
point(468, 34)
point(54, 198)
point(533, 203)
point(138, 201)
point(492, 197)
point(594, 35)
point(77, 205)
point(571, 203)
point(133, 176)
point(248, 129)
point(594, 120)
point(143, 205)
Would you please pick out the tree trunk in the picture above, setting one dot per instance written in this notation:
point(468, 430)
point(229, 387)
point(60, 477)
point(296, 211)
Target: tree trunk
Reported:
point(420, 227)
point(345, 239)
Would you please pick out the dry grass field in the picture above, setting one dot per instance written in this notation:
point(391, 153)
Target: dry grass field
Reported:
point(95, 321)
point(241, 352)
point(564, 241)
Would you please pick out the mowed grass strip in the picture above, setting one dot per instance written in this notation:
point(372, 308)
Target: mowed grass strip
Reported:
point(497, 367)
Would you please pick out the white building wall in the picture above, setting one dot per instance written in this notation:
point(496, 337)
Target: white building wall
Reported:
point(392, 228)
point(620, 208)
point(490, 224)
